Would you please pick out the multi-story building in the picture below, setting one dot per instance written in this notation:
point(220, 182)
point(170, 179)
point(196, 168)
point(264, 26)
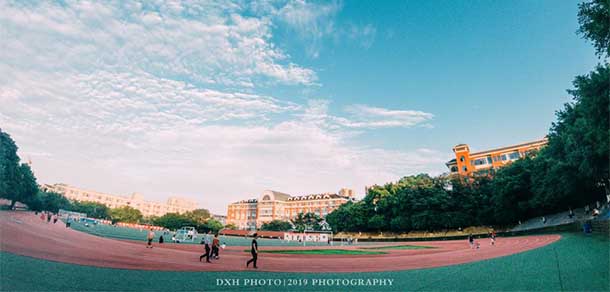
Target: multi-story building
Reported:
point(486, 162)
point(220, 218)
point(272, 205)
point(135, 200)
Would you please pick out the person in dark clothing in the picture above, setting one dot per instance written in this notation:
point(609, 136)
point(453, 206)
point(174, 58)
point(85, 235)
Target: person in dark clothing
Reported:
point(471, 240)
point(207, 240)
point(161, 239)
point(254, 252)
point(215, 247)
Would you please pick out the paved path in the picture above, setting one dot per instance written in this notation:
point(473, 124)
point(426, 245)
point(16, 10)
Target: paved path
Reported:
point(25, 234)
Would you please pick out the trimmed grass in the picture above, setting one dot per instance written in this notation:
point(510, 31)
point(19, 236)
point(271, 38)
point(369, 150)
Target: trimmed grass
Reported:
point(321, 251)
point(398, 247)
point(575, 263)
point(135, 234)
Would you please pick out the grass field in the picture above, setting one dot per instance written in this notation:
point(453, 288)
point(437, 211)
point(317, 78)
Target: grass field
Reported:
point(398, 247)
point(322, 251)
point(576, 262)
point(135, 234)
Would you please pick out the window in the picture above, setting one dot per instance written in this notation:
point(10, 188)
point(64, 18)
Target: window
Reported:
point(504, 157)
point(266, 198)
point(465, 168)
point(462, 158)
point(488, 159)
point(480, 161)
point(515, 155)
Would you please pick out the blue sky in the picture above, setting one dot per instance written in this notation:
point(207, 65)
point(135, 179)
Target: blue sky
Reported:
point(218, 101)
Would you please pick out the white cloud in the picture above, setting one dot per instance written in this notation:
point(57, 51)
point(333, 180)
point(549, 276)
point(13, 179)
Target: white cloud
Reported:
point(122, 97)
point(316, 23)
point(364, 34)
point(213, 46)
point(364, 116)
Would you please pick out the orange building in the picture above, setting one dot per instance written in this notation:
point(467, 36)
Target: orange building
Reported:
point(485, 162)
point(272, 205)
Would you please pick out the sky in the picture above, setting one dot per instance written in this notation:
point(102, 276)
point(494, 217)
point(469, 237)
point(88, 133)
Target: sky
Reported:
point(219, 100)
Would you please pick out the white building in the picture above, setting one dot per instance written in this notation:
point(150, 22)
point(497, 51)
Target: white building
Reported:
point(135, 200)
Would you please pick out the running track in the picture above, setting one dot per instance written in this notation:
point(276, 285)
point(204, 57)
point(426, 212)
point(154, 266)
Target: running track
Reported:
point(23, 233)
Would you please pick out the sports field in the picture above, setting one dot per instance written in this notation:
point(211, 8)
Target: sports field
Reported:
point(573, 262)
point(140, 235)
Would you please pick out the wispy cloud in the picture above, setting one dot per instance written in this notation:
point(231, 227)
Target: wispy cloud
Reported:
point(316, 23)
point(365, 35)
point(375, 117)
point(172, 98)
point(200, 43)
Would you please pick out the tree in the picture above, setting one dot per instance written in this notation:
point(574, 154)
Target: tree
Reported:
point(175, 221)
point(211, 224)
point(48, 201)
point(231, 226)
point(307, 221)
point(593, 18)
point(17, 182)
point(198, 215)
point(276, 225)
point(8, 164)
point(125, 214)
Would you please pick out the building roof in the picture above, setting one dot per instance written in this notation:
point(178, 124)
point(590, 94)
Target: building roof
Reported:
point(451, 162)
point(280, 196)
point(315, 197)
point(543, 141)
point(246, 201)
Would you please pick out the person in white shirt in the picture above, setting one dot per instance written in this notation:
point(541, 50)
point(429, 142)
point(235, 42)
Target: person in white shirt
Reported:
point(207, 240)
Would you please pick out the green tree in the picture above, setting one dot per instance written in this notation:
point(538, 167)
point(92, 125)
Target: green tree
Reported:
point(231, 226)
point(593, 17)
point(211, 224)
point(199, 215)
point(175, 221)
point(17, 182)
point(276, 225)
point(125, 214)
point(512, 192)
point(49, 201)
point(307, 221)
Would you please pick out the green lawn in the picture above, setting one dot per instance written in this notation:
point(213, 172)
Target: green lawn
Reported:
point(135, 234)
point(398, 247)
point(322, 251)
point(576, 262)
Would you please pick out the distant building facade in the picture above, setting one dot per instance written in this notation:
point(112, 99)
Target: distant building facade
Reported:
point(220, 218)
point(135, 200)
point(486, 162)
point(273, 205)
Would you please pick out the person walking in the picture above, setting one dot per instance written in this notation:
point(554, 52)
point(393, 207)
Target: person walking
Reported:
point(471, 241)
point(150, 237)
point(207, 241)
point(254, 252)
point(215, 247)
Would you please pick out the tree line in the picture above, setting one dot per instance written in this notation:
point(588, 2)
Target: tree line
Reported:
point(303, 221)
point(571, 171)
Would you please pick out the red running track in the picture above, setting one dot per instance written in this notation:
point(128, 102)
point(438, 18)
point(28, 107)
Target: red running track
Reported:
point(23, 233)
